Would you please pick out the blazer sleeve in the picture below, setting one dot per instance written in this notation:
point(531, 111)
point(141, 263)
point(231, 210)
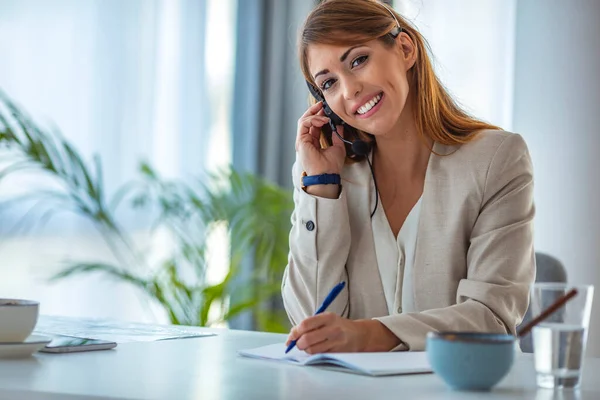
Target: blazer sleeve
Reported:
point(319, 246)
point(500, 260)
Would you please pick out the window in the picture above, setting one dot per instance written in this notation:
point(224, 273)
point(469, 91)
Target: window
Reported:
point(130, 81)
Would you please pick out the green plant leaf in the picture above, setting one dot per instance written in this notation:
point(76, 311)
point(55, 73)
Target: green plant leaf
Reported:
point(255, 213)
point(107, 269)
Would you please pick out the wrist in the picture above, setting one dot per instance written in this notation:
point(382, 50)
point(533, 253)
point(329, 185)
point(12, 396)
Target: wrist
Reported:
point(326, 191)
point(323, 179)
point(322, 185)
point(376, 336)
point(320, 171)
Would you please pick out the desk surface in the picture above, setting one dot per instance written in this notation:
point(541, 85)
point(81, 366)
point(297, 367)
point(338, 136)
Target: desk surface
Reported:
point(209, 368)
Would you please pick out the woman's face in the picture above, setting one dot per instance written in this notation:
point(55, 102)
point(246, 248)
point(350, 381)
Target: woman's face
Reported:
point(365, 85)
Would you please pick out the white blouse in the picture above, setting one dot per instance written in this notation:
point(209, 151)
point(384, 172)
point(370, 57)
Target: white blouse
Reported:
point(395, 258)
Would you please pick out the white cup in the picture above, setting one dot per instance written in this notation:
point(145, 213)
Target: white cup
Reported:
point(17, 319)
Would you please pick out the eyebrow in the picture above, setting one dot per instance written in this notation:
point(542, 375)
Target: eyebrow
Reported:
point(342, 59)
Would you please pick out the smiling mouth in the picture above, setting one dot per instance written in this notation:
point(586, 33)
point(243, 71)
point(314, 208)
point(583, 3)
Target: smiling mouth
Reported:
point(365, 109)
point(369, 104)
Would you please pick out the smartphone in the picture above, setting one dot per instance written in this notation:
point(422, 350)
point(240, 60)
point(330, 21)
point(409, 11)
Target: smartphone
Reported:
point(71, 344)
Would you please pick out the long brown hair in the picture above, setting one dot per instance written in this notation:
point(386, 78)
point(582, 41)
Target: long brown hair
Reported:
point(352, 22)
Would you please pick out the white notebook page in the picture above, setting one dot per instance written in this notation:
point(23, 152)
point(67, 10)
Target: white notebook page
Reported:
point(385, 363)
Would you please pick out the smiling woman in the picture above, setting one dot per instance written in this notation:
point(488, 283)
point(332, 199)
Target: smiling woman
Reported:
point(456, 193)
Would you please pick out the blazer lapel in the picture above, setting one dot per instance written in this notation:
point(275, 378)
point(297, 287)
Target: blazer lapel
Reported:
point(431, 215)
point(362, 197)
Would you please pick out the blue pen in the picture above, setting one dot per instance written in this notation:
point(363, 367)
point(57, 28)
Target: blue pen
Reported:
point(328, 300)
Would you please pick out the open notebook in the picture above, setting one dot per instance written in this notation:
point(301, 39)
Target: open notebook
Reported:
point(374, 364)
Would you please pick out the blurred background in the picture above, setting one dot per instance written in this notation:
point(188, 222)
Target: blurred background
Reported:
point(166, 196)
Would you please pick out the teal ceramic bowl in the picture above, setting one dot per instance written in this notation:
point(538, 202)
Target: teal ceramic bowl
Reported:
point(470, 361)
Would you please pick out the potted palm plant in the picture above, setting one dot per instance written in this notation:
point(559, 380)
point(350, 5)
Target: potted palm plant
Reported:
point(254, 213)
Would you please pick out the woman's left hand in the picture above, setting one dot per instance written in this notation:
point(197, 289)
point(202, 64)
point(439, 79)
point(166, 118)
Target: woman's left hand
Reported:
point(328, 332)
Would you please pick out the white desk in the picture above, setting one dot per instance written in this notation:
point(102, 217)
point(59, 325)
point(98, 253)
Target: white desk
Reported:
point(209, 368)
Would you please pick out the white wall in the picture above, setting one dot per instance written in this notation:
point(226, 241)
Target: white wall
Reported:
point(557, 110)
point(478, 69)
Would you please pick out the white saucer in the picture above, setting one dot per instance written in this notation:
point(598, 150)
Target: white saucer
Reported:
point(24, 349)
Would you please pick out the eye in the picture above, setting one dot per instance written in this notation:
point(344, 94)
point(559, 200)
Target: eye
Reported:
point(327, 84)
point(358, 61)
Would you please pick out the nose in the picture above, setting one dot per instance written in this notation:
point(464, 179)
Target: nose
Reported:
point(352, 88)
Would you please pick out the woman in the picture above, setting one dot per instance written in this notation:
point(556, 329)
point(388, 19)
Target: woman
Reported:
point(438, 235)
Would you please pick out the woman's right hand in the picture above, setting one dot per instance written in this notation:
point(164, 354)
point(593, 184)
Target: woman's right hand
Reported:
point(314, 159)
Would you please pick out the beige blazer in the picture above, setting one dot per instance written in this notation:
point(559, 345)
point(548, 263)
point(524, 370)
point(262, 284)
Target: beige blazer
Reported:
point(474, 259)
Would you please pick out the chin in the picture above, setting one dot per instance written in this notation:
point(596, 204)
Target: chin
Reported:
point(377, 128)
point(378, 124)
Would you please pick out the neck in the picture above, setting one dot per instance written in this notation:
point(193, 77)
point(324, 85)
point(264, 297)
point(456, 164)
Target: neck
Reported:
point(402, 152)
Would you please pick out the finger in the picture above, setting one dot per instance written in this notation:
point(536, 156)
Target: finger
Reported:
point(315, 132)
point(312, 120)
point(315, 322)
point(289, 340)
point(313, 140)
point(312, 338)
point(292, 336)
point(310, 126)
point(315, 120)
point(331, 336)
point(326, 346)
point(312, 110)
point(304, 126)
point(304, 121)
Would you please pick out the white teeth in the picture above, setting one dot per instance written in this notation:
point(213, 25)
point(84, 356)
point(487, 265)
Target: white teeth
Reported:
point(368, 105)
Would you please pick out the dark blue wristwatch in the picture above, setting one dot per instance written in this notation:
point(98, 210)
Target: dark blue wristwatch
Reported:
point(323, 179)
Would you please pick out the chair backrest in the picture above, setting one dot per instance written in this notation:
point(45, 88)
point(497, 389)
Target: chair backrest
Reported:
point(548, 269)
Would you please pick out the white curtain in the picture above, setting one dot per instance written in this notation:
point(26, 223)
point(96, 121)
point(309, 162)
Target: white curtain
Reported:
point(473, 44)
point(129, 80)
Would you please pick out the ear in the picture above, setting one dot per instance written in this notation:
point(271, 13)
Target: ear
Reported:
point(408, 50)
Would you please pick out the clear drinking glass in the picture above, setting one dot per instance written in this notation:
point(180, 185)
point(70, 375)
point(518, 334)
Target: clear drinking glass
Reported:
point(559, 341)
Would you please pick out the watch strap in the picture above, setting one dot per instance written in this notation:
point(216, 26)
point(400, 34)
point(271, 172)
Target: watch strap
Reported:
point(322, 179)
